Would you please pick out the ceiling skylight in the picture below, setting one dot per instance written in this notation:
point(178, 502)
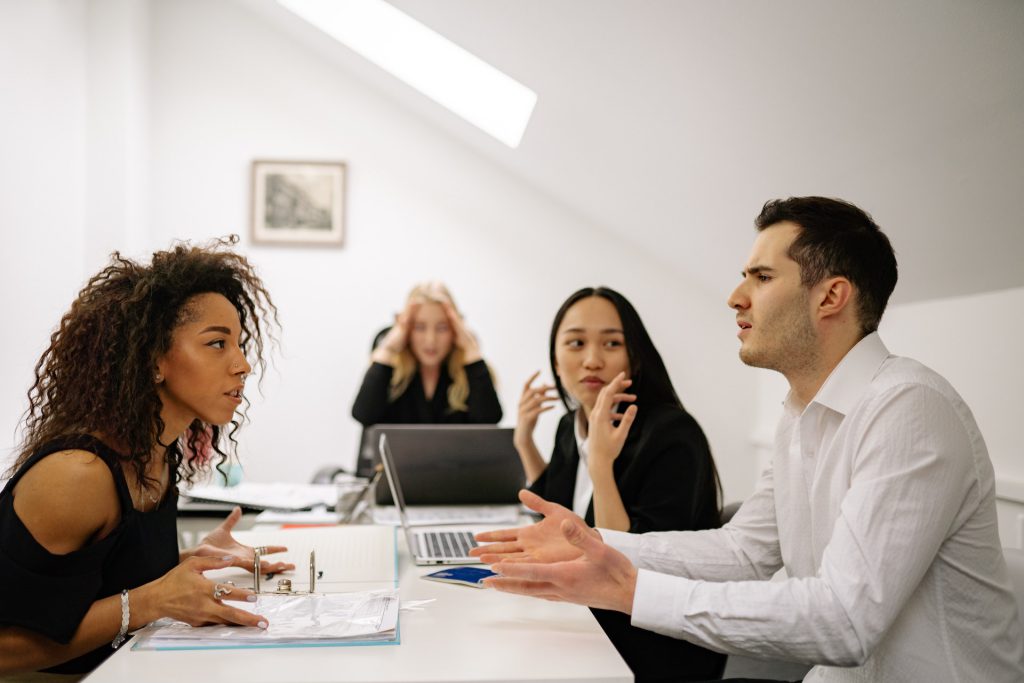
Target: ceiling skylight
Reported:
point(427, 61)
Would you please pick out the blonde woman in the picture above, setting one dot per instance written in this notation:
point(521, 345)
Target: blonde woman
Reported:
point(427, 368)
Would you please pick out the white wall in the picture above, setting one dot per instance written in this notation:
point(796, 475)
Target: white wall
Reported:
point(117, 171)
point(43, 105)
point(200, 89)
point(227, 88)
point(974, 342)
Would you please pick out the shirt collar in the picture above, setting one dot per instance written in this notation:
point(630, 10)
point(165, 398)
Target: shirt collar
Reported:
point(850, 379)
point(581, 440)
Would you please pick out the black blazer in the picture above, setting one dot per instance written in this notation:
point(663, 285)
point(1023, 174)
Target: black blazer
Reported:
point(666, 480)
point(372, 405)
point(664, 472)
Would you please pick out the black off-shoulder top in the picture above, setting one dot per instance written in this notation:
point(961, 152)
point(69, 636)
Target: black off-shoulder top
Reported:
point(50, 594)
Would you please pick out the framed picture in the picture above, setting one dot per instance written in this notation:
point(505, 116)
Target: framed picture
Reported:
point(298, 202)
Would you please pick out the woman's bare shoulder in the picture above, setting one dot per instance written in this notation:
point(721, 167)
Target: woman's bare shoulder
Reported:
point(67, 499)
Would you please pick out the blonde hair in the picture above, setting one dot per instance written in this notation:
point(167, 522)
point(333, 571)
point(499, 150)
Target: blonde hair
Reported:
point(433, 292)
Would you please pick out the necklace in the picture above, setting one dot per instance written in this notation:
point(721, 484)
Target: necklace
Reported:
point(144, 490)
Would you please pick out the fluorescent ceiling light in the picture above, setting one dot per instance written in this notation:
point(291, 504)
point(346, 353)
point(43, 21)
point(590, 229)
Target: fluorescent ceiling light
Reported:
point(427, 61)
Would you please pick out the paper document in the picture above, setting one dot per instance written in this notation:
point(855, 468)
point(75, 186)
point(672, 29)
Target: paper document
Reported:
point(318, 515)
point(300, 619)
point(434, 515)
point(268, 496)
point(356, 600)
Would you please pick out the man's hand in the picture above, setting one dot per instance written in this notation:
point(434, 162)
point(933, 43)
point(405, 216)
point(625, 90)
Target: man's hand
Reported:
point(540, 542)
point(600, 576)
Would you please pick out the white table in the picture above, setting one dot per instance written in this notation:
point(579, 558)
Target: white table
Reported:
point(465, 635)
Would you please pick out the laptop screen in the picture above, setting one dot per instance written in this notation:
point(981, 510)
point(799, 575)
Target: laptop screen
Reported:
point(452, 464)
point(396, 489)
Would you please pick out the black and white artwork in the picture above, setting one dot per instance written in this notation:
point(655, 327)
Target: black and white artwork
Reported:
point(298, 202)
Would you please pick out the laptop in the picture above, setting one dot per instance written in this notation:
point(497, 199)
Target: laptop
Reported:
point(427, 546)
point(452, 464)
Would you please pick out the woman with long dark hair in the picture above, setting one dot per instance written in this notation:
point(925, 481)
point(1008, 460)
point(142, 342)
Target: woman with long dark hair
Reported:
point(130, 398)
point(627, 455)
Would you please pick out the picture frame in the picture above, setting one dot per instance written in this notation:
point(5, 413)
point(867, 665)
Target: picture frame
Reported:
point(298, 202)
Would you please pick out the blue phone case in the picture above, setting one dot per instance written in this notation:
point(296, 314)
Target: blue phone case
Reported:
point(465, 576)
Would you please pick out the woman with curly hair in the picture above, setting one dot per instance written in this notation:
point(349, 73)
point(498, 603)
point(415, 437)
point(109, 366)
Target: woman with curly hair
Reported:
point(139, 380)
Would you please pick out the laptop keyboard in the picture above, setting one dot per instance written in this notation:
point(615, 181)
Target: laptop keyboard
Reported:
point(447, 543)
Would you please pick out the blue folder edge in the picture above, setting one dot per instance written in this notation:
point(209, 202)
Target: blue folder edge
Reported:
point(280, 646)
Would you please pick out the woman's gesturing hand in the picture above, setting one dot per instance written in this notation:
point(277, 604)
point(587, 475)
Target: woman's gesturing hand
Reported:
point(605, 440)
point(533, 401)
point(186, 595)
point(220, 543)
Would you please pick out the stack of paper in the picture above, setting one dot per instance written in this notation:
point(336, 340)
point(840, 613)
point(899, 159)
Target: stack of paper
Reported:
point(318, 515)
point(337, 618)
point(268, 496)
point(356, 600)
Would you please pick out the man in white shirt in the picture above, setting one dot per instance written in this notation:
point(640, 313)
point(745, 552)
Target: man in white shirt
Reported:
point(879, 502)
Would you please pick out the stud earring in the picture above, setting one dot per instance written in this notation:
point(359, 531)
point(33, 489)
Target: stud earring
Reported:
point(159, 378)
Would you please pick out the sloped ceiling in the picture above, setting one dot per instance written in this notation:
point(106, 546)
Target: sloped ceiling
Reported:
point(670, 122)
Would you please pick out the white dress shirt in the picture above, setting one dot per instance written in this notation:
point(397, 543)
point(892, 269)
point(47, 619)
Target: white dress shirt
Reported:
point(584, 490)
point(880, 505)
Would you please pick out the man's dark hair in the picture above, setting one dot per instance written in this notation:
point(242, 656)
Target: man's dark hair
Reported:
point(838, 239)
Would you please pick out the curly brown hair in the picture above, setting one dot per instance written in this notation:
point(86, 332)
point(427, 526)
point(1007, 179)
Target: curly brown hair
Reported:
point(97, 375)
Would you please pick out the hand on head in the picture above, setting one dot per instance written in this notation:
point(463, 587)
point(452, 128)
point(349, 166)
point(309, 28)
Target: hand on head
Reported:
point(533, 401)
point(598, 576)
point(464, 339)
point(407, 316)
point(397, 337)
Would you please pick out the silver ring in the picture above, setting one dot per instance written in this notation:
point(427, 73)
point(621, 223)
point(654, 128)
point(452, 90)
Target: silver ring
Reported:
point(261, 549)
point(219, 591)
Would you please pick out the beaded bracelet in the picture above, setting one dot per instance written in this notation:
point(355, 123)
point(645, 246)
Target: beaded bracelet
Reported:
point(125, 617)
